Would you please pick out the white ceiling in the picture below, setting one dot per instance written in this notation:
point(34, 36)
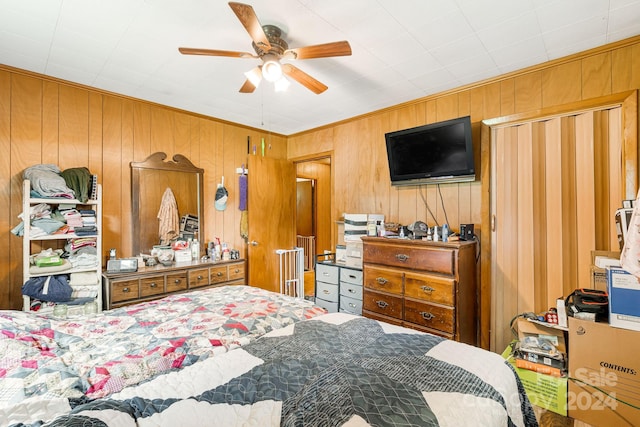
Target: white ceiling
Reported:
point(402, 49)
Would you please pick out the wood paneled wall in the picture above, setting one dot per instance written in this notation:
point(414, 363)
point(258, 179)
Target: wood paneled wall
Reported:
point(361, 175)
point(48, 121)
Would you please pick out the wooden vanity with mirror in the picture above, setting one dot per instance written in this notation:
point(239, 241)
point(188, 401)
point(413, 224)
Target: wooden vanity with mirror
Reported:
point(150, 179)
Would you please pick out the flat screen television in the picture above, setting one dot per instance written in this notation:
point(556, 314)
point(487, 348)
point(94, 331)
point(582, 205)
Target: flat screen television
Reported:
point(435, 153)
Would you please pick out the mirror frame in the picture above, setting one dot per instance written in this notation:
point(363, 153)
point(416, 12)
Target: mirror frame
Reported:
point(155, 163)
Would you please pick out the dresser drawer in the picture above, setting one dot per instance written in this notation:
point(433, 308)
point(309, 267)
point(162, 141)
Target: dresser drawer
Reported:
point(327, 291)
point(177, 282)
point(331, 307)
point(218, 274)
point(125, 290)
point(236, 271)
point(151, 286)
point(198, 277)
point(388, 305)
point(351, 291)
point(327, 273)
point(435, 259)
point(429, 315)
point(383, 279)
point(351, 276)
point(430, 288)
point(350, 305)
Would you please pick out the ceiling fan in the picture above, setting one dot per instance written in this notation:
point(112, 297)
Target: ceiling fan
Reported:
point(271, 48)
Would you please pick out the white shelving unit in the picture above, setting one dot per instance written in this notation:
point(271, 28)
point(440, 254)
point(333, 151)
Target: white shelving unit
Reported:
point(33, 245)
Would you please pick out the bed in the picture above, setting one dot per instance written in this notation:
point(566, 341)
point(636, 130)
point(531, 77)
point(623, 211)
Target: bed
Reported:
point(330, 370)
point(43, 358)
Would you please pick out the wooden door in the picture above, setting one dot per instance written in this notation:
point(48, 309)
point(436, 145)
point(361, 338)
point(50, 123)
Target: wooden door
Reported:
point(304, 208)
point(271, 215)
point(555, 186)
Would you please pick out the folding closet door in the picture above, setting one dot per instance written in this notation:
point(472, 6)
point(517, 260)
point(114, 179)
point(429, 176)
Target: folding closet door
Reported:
point(555, 185)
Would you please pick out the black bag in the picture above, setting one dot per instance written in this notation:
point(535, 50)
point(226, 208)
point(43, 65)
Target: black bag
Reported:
point(588, 301)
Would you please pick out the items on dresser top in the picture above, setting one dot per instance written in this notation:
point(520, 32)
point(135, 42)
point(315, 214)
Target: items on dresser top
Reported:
point(424, 285)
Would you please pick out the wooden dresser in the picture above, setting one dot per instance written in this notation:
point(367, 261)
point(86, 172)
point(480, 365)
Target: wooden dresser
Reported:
point(158, 281)
point(430, 286)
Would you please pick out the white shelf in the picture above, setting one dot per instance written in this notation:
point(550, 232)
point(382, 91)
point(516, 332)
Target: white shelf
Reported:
point(69, 271)
point(61, 201)
point(66, 236)
point(93, 204)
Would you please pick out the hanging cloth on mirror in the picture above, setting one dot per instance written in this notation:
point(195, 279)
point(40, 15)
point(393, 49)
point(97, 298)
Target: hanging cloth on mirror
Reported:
point(169, 220)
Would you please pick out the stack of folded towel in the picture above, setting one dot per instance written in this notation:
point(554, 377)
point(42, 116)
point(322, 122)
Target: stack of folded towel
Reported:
point(83, 285)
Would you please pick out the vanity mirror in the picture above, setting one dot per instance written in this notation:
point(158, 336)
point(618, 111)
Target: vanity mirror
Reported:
point(150, 180)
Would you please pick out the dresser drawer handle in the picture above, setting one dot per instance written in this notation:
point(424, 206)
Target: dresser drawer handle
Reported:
point(125, 290)
point(153, 285)
point(237, 270)
point(353, 291)
point(382, 304)
point(427, 289)
point(402, 257)
point(352, 305)
point(381, 280)
point(426, 315)
point(219, 273)
point(326, 292)
point(352, 276)
point(176, 281)
point(324, 273)
point(200, 277)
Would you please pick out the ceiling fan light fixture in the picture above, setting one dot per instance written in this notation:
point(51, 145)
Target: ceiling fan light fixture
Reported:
point(282, 84)
point(254, 76)
point(271, 69)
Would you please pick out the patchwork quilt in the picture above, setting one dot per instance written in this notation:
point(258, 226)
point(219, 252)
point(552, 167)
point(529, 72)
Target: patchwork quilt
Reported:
point(332, 370)
point(97, 356)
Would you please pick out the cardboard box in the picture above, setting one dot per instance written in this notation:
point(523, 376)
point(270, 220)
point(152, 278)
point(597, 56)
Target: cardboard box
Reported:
point(538, 329)
point(599, 274)
point(624, 299)
point(544, 391)
point(607, 358)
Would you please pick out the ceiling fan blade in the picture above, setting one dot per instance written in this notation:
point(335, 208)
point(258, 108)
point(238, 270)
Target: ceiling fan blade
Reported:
point(249, 20)
point(342, 48)
point(214, 52)
point(247, 87)
point(304, 79)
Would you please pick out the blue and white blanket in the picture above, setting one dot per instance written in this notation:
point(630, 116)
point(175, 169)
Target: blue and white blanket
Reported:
point(332, 370)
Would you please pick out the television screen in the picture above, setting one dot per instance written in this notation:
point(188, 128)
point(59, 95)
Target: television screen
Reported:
point(433, 153)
